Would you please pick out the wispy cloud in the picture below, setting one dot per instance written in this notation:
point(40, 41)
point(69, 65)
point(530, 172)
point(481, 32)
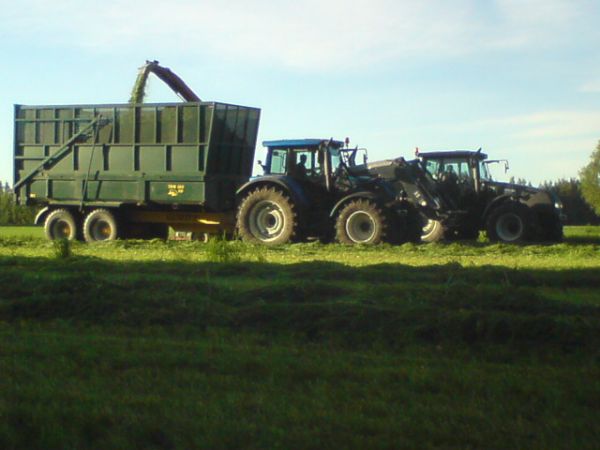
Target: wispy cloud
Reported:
point(590, 86)
point(554, 125)
point(306, 34)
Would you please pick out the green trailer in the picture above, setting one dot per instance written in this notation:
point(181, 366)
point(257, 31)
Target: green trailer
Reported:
point(132, 170)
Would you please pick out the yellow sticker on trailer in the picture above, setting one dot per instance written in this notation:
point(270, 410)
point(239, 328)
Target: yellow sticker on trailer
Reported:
point(175, 189)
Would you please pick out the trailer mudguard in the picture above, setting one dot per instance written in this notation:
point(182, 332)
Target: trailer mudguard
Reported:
point(40, 217)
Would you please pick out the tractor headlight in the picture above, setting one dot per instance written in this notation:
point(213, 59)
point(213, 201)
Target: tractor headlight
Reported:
point(558, 204)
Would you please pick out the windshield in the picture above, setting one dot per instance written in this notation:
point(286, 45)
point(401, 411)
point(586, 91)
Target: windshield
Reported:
point(442, 168)
point(484, 171)
point(336, 159)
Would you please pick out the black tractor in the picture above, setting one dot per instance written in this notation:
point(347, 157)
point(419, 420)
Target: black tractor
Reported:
point(308, 190)
point(473, 201)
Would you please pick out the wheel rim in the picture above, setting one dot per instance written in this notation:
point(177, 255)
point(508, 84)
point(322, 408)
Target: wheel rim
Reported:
point(266, 221)
point(428, 228)
point(61, 229)
point(100, 230)
point(360, 227)
point(509, 227)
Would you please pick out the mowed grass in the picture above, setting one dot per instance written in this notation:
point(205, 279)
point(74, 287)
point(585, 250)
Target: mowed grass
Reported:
point(182, 345)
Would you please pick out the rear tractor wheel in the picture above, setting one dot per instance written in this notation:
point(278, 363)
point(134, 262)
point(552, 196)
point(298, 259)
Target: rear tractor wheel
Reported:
point(509, 223)
point(60, 224)
point(361, 222)
point(267, 216)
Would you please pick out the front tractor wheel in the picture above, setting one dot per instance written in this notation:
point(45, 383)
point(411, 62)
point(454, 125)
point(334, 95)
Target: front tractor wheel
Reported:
point(361, 222)
point(60, 224)
point(509, 223)
point(432, 231)
point(267, 216)
point(100, 225)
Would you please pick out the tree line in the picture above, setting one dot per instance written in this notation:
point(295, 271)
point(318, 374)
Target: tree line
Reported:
point(10, 212)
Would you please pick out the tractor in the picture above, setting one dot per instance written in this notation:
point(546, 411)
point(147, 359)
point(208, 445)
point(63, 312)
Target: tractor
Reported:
point(507, 212)
point(309, 190)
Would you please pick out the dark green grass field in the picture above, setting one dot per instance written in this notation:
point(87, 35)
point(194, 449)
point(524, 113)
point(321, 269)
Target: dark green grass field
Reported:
point(187, 345)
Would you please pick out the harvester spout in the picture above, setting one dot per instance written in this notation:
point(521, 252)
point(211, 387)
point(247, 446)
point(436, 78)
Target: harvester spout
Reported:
point(167, 76)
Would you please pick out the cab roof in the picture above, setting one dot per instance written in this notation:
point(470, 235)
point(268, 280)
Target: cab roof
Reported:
point(300, 143)
point(453, 154)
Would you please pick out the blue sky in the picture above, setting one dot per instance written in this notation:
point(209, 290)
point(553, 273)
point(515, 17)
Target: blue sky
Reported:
point(520, 78)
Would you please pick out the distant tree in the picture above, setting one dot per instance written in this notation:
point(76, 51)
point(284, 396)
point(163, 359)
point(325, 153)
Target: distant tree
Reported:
point(576, 209)
point(10, 212)
point(521, 181)
point(590, 180)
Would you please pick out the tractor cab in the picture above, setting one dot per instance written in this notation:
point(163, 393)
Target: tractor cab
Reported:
point(508, 212)
point(463, 176)
point(466, 167)
point(307, 161)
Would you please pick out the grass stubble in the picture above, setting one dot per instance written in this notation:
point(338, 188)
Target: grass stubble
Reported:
point(185, 345)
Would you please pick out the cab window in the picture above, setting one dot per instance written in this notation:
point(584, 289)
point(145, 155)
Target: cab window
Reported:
point(278, 161)
point(457, 166)
point(433, 167)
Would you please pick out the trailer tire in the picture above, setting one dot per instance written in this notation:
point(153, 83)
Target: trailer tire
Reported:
point(510, 223)
point(432, 230)
point(361, 222)
point(100, 225)
point(60, 224)
point(267, 216)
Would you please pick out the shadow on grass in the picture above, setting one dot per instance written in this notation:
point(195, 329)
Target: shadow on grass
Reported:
point(390, 304)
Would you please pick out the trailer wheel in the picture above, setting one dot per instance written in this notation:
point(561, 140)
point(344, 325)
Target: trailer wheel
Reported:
point(267, 216)
point(60, 224)
point(361, 222)
point(432, 231)
point(100, 225)
point(510, 223)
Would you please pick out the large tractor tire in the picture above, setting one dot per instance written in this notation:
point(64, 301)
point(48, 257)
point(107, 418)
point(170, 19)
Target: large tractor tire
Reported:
point(510, 223)
point(60, 224)
point(432, 231)
point(267, 216)
point(361, 222)
point(100, 225)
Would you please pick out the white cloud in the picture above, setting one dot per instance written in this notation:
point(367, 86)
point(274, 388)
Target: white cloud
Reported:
point(591, 87)
point(555, 125)
point(307, 34)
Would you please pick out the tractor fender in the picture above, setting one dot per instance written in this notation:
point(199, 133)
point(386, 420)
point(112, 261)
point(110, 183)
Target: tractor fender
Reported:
point(40, 217)
point(286, 184)
point(497, 201)
point(363, 194)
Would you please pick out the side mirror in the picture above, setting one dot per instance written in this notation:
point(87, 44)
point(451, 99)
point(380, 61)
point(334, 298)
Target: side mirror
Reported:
point(263, 167)
point(506, 166)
